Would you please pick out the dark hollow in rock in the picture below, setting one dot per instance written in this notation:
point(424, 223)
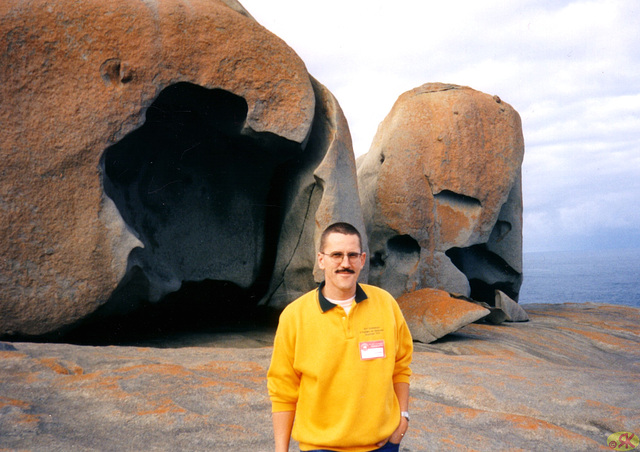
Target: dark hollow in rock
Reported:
point(451, 198)
point(486, 272)
point(205, 195)
point(196, 310)
point(400, 249)
point(390, 267)
point(405, 246)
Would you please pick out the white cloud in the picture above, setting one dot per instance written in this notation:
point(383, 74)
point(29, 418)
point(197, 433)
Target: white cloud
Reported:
point(570, 68)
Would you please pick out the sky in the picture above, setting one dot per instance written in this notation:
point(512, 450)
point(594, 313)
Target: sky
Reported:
point(570, 68)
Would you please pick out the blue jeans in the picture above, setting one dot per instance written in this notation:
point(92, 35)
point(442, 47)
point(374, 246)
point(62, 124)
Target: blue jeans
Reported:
point(389, 447)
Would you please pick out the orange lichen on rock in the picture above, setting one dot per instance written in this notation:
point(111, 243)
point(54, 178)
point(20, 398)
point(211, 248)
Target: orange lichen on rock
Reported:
point(5, 401)
point(605, 339)
point(155, 368)
point(10, 354)
point(433, 313)
point(165, 406)
point(61, 368)
point(454, 225)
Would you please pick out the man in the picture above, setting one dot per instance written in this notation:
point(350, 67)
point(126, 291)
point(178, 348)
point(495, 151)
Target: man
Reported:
point(340, 364)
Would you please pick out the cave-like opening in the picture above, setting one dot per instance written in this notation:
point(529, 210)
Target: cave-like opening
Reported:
point(205, 196)
point(192, 315)
point(390, 267)
point(486, 272)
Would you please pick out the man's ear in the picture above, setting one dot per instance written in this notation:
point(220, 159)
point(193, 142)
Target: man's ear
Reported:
point(363, 259)
point(321, 261)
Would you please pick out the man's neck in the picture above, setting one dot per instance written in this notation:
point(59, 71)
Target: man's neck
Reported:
point(337, 294)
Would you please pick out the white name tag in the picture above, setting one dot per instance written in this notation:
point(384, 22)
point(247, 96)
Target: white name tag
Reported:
point(372, 350)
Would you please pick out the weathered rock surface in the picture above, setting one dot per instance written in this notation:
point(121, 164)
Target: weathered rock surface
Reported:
point(565, 380)
point(562, 381)
point(325, 191)
point(433, 313)
point(441, 196)
point(513, 311)
point(142, 144)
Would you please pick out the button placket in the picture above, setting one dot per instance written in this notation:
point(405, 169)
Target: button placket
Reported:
point(348, 321)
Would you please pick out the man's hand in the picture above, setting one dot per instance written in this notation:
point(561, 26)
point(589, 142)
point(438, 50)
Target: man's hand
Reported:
point(397, 436)
point(402, 392)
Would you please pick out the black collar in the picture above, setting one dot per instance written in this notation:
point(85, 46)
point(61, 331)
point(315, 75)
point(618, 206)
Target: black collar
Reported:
point(325, 304)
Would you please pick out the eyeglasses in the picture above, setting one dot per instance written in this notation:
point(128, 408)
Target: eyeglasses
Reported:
point(338, 257)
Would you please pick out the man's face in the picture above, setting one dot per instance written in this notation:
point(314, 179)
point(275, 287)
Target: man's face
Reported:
point(341, 276)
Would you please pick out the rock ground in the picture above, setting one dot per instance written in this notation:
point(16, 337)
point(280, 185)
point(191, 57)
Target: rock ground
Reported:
point(565, 380)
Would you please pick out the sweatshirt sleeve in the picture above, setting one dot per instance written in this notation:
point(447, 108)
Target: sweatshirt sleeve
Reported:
point(283, 381)
point(404, 353)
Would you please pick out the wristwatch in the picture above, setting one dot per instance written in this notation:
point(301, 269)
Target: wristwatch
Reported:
point(405, 414)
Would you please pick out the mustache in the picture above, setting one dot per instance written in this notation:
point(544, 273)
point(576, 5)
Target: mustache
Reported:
point(345, 270)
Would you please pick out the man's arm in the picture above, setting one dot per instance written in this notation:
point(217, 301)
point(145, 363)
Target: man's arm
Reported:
point(402, 392)
point(401, 376)
point(282, 425)
point(283, 382)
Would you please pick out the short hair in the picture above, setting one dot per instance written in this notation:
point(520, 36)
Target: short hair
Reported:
point(340, 228)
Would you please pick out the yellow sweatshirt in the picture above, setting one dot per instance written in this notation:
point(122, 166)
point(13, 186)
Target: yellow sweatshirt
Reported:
point(337, 371)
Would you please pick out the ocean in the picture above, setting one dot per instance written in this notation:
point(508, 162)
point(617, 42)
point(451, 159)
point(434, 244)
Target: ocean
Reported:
point(609, 276)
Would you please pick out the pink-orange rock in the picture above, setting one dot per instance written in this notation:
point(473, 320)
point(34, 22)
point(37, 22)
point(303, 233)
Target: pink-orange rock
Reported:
point(565, 380)
point(440, 190)
point(77, 77)
point(432, 313)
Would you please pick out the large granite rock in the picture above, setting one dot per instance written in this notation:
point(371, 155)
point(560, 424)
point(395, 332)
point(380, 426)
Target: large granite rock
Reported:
point(441, 195)
point(565, 380)
point(433, 313)
point(145, 144)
